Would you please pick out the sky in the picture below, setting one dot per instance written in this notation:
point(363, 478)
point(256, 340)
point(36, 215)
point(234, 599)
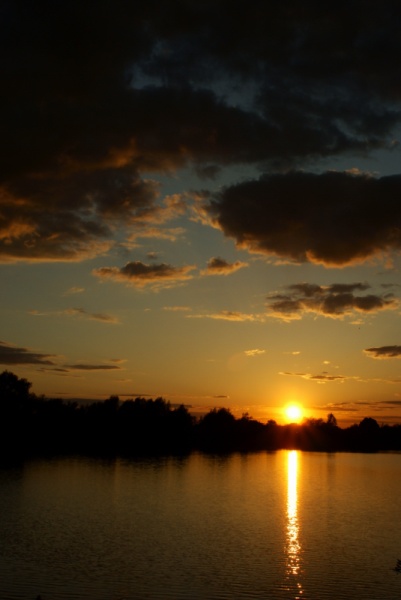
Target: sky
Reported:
point(202, 201)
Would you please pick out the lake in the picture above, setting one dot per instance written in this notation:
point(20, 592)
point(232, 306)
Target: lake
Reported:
point(283, 525)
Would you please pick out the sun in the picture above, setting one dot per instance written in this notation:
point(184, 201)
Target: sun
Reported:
point(293, 413)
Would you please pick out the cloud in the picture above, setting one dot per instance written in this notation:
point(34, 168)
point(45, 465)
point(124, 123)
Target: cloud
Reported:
point(334, 219)
point(69, 216)
point(80, 312)
point(74, 290)
point(89, 367)
point(208, 171)
point(177, 308)
point(141, 275)
point(326, 378)
point(384, 352)
point(320, 378)
point(202, 86)
point(395, 403)
point(254, 352)
point(219, 266)
point(229, 315)
point(14, 355)
point(335, 301)
point(171, 234)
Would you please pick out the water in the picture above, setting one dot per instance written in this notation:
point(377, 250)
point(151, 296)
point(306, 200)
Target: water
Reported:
point(279, 526)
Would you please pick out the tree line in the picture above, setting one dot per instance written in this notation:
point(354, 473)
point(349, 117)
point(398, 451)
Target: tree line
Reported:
point(32, 425)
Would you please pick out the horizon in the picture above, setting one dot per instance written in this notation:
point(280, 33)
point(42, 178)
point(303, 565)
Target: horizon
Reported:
point(201, 410)
point(203, 203)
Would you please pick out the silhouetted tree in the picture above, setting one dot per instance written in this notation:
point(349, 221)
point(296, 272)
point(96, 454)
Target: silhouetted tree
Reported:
point(216, 430)
point(331, 420)
point(13, 389)
point(369, 435)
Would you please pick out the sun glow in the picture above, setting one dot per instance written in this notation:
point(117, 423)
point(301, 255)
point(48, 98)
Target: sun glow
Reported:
point(293, 413)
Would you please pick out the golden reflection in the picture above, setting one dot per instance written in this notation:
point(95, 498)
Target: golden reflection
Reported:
point(293, 545)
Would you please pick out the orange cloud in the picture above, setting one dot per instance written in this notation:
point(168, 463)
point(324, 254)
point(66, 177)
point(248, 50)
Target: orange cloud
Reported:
point(219, 266)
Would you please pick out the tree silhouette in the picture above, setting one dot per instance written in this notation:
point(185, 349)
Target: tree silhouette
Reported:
point(331, 420)
point(12, 388)
point(31, 425)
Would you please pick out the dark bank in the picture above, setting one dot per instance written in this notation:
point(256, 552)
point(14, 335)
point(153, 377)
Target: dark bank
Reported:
point(34, 425)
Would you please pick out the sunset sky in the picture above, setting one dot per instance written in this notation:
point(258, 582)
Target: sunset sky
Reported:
point(202, 201)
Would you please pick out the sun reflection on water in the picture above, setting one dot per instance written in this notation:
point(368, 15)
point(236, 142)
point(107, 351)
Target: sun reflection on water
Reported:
point(293, 546)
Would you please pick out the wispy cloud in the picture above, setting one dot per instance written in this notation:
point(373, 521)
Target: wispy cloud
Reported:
point(78, 312)
point(171, 234)
point(229, 315)
point(320, 378)
point(74, 290)
point(14, 355)
point(254, 352)
point(325, 377)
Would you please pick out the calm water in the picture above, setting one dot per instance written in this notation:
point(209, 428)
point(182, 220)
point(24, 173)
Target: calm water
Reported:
point(281, 525)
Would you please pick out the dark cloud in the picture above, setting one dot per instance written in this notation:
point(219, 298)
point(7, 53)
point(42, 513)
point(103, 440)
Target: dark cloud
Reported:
point(219, 266)
point(335, 219)
point(13, 355)
point(335, 300)
point(95, 96)
point(395, 403)
point(141, 275)
point(384, 352)
point(70, 216)
point(337, 408)
point(208, 171)
point(84, 367)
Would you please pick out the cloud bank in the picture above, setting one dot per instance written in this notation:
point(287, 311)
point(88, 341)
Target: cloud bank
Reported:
point(148, 88)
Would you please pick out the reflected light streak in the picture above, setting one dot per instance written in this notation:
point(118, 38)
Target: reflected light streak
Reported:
point(293, 545)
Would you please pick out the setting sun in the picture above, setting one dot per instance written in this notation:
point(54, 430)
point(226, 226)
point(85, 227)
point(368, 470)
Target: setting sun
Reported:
point(293, 413)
